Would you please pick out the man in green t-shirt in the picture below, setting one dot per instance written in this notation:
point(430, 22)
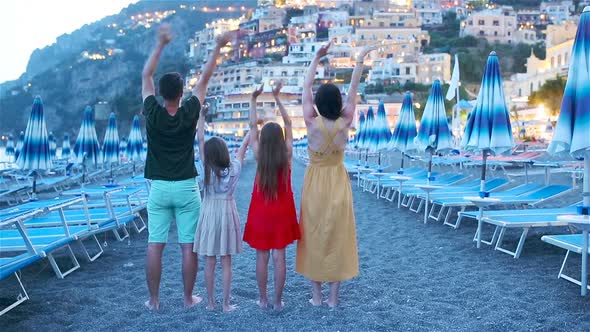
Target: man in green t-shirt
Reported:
point(170, 164)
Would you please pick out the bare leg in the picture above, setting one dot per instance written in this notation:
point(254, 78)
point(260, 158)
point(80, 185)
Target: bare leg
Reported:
point(262, 257)
point(334, 290)
point(190, 264)
point(278, 257)
point(210, 281)
point(153, 273)
point(226, 264)
point(316, 293)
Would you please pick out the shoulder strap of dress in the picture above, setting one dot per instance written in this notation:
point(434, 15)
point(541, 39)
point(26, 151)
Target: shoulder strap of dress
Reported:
point(328, 136)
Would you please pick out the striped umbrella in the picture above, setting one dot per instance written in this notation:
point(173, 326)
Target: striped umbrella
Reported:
point(404, 132)
point(135, 143)
point(110, 144)
point(52, 146)
point(87, 146)
point(359, 128)
point(123, 146)
point(381, 133)
point(65, 147)
point(488, 129)
point(571, 132)
point(19, 145)
point(34, 154)
point(365, 141)
point(434, 134)
point(9, 148)
point(144, 148)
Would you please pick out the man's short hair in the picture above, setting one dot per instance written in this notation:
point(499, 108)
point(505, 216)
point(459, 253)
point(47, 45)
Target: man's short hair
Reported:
point(170, 86)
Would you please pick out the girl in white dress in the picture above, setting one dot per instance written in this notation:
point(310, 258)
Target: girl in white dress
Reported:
point(218, 232)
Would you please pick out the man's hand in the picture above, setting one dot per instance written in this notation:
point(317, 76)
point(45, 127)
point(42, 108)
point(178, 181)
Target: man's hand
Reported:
point(277, 89)
point(224, 38)
point(257, 92)
point(164, 34)
point(323, 50)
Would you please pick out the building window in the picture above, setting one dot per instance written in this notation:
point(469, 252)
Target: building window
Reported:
point(496, 23)
point(245, 105)
point(565, 58)
point(559, 60)
point(509, 33)
point(495, 33)
point(552, 62)
point(531, 87)
point(313, 48)
point(481, 22)
point(407, 70)
point(519, 92)
point(481, 33)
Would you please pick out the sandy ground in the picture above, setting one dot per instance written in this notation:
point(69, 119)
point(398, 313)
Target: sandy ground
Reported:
point(413, 277)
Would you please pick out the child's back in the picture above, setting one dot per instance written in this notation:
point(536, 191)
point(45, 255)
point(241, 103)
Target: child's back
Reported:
point(218, 232)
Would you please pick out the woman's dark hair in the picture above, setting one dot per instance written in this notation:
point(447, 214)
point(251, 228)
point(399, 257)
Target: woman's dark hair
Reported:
point(328, 101)
point(170, 86)
point(273, 159)
point(216, 158)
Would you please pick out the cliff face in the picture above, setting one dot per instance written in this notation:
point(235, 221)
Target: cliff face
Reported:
point(67, 77)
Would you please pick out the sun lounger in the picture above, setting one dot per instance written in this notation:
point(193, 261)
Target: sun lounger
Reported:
point(527, 194)
point(571, 243)
point(525, 223)
point(9, 266)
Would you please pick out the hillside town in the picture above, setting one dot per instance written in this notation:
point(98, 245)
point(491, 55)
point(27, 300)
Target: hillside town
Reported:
point(283, 36)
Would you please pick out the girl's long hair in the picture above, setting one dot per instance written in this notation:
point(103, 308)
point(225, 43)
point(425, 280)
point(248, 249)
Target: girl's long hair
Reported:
point(273, 159)
point(216, 158)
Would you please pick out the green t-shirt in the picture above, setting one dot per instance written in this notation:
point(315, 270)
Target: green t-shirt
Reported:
point(171, 155)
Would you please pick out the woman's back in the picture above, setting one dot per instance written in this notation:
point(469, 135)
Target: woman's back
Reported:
point(327, 136)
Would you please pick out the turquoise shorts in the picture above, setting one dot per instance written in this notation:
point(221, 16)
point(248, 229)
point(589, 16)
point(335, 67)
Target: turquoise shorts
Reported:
point(179, 200)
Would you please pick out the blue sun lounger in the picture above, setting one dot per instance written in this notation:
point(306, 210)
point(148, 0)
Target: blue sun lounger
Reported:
point(524, 222)
point(571, 243)
point(9, 266)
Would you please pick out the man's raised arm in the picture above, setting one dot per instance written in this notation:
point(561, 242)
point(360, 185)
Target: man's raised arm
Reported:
point(200, 89)
point(147, 75)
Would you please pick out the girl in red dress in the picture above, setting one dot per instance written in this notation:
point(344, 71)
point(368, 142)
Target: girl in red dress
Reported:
point(272, 218)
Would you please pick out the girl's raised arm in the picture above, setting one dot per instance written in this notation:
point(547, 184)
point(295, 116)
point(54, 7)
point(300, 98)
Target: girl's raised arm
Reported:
point(254, 121)
point(201, 132)
point(286, 119)
point(243, 148)
point(350, 105)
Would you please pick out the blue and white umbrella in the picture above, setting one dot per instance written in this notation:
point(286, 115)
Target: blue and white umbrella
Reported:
point(434, 135)
point(87, 147)
point(52, 146)
point(144, 148)
point(110, 144)
point(381, 133)
point(9, 147)
point(571, 132)
point(135, 143)
point(488, 129)
point(359, 129)
point(123, 146)
point(65, 147)
point(35, 155)
point(19, 145)
point(405, 131)
point(365, 141)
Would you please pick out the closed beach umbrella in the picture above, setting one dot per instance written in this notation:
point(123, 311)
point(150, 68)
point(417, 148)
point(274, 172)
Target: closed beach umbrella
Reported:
point(87, 146)
point(135, 141)
point(123, 146)
point(65, 147)
point(381, 133)
point(52, 146)
point(359, 128)
point(365, 140)
point(571, 132)
point(110, 144)
point(434, 135)
point(405, 131)
point(144, 148)
point(34, 155)
point(489, 130)
point(19, 145)
point(9, 147)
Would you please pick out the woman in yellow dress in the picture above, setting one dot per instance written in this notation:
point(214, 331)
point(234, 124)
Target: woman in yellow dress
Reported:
point(327, 251)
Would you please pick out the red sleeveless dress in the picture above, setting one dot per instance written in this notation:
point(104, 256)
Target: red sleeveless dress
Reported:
point(272, 224)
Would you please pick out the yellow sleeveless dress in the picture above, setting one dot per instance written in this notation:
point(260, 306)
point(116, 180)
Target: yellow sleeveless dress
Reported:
point(327, 250)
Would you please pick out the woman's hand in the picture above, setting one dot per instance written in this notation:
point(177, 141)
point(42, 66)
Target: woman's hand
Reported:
point(323, 51)
point(204, 109)
point(366, 50)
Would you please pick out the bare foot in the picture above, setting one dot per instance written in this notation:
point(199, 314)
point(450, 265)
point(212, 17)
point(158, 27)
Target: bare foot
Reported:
point(330, 304)
point(194, 300)
point(314, 303)
point(210, 306)
point(262, 304)
point(152, 305)
point(229, 307)
point(279, 306)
